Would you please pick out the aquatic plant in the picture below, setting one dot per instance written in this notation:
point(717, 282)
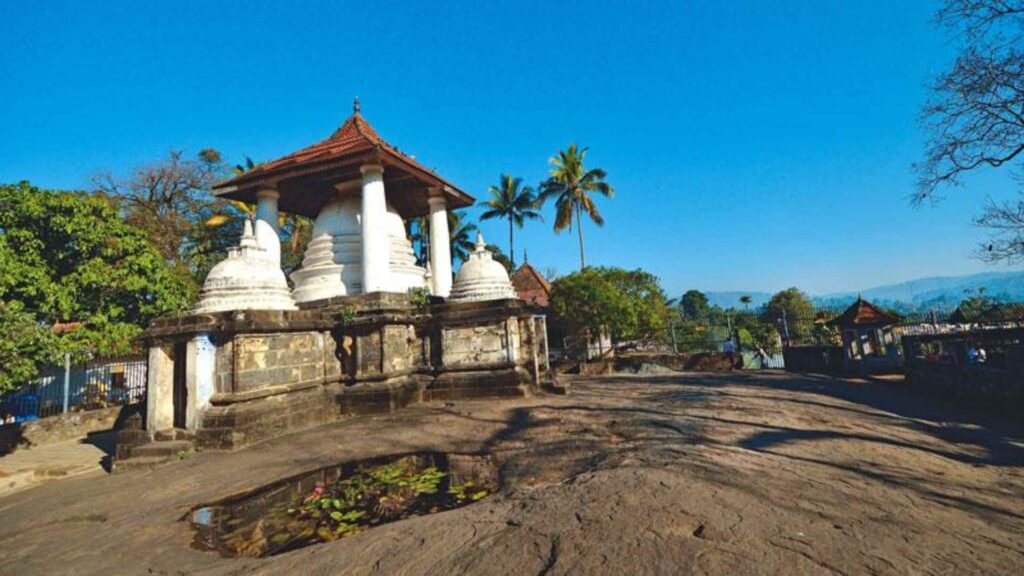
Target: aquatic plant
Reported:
point(367, 497)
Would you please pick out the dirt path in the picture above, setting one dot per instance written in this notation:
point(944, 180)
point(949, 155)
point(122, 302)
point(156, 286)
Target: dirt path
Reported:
point(691, 473)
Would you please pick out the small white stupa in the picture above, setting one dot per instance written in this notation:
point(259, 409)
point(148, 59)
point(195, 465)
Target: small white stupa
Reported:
point(246, 280)
point(481, 277)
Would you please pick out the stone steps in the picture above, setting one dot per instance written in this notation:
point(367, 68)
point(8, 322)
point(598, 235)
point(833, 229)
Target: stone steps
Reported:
point(166, 449)
point(167, 446)
point(172, 435)
point(138, 463)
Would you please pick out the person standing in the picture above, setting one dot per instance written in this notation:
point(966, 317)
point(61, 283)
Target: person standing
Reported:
point(730, 352)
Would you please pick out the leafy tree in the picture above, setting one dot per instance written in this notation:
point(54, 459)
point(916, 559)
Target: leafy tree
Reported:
point(171, 201)
point(571, 184)
point(513, 202)
point(26, 346)
point(974, 303)
point(791, 310)
point(975, 118)
point(70, 257)
point(694, 305)
point(629, 304)
point(746, 300)
point(296, 231)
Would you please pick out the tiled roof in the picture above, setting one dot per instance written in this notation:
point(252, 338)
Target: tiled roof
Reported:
point(355, 135)
point(354, 138)
point(531, 286)
point(864, 313)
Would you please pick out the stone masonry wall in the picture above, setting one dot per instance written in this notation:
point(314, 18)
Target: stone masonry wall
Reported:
point(224, 368)
point(263, 360)
point(474, 344)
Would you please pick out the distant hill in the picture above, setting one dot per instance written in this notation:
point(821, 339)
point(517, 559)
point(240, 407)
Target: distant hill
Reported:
point(938, 291)
point(941, 292)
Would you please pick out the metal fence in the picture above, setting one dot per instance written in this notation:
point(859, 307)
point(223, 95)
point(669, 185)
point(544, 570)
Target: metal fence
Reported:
point(99, 383)
point(761, 334)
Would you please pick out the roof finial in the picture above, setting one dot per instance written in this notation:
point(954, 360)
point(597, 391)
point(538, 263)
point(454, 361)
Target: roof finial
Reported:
point(355, 105)
point(526, 257)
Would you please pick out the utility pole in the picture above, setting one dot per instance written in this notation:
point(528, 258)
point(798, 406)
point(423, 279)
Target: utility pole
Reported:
point(67, 379)
point(785, 325)
point(675, 348)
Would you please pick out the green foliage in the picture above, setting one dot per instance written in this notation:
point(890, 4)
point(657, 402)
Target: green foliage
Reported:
point(975, 303)
point(420, 297)
point(791, 309)
point(465, 491)
point(70, 257)
point(387, 491)
point(345, 316)
point(630, 304)
point(694, 305)
point(462, 235)
point(25, 348)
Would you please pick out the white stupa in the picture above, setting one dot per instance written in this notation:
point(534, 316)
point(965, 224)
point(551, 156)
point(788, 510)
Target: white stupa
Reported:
point(332, 265)
point(248, 279)
point(481, 277)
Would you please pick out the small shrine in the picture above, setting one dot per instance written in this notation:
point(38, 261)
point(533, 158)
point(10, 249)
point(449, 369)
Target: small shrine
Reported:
point(481, 277)
point(869, 342)
point(246, 280)
point(360, 328)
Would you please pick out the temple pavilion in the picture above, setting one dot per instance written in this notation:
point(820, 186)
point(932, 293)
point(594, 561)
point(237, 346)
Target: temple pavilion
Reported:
point(359, 190)
point(352, 332)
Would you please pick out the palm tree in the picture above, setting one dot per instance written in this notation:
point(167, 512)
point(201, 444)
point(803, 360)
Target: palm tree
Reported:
point(746, 299)
point(418, 233)
point(512, 203)
point(571, 185)
point(463, 236)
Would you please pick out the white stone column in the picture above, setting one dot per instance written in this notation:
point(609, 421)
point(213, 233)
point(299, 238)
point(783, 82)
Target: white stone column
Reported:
point(267, 234)
point(160, 388)
point(373, 223)
point(199, 377)
point(440, 245)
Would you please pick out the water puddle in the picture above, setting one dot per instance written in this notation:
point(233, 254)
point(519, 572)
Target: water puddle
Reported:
point(341, 500)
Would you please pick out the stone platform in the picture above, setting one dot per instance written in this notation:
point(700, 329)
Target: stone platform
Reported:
point(235, 378)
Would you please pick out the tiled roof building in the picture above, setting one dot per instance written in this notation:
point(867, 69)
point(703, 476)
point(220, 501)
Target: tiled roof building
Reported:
point(531, 286)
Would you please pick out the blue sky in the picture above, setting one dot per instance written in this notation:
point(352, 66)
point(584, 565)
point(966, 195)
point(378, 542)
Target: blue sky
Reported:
point(753, 145)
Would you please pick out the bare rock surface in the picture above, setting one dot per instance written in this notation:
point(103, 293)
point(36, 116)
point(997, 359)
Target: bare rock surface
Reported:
point(735, 473)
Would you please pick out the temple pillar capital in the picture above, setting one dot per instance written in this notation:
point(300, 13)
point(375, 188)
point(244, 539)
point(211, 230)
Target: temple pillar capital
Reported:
point(366, 169)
